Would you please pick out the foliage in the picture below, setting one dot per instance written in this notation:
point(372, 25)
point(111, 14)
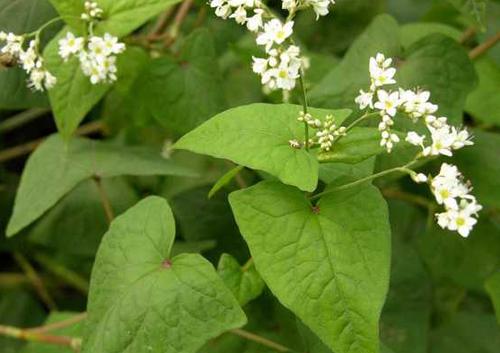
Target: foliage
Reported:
point(157, 196)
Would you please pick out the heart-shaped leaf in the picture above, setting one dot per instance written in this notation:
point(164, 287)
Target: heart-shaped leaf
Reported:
point(328, 263)
point(141, 300)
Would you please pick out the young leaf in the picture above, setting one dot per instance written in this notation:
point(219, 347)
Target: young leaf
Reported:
point(257, 136)
point(327, 263)
point(245, 282)
point(55, 168)
point(224, 180)
point(142, 300)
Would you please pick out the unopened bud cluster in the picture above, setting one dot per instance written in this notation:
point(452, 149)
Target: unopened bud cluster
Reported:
point(327, 131)
point(281, 68)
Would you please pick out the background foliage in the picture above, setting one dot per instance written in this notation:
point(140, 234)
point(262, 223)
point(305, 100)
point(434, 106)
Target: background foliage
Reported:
point(444, 290)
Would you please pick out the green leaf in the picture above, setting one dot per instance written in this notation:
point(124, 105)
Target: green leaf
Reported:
point(257, 136)
point(436, 63)
point(466, 333)
point(169, 85)
point(481, 165)
point(55, 168)
point(75, 330)
point(493, 289)
point(141, 300)
point(329, 264)
point(475, 10)
point(19, 17)
point(483, 102)
point(341, 85)
point(224, 180)
point(330, 172)
point(76, 224)
point(358, 145)
point(413, 32)
point(120, 16)
point(73, 96)
point(245, 282)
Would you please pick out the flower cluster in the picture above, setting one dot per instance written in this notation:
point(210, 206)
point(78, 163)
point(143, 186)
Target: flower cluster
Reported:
point(453, 193)
point(448, 187)
point(97, 55)
point(281, 68)
point(29, 59)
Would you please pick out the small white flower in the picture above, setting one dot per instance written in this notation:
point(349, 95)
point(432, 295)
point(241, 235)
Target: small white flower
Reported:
point(70, 45)
point(223, 11)
point(240, 15)
point(415, 139)
point(275, 32)
point(254, 23)
point(365, 99)
point(387, 102)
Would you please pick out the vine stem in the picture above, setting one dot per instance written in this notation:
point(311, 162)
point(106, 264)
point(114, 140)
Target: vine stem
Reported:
point(35, 280)
point(106, 204)
point(22, 118)
point(72, 278)
point(404, 169)
point(483, 48)
point(27, 335)
point(305, 107)
point(261, 340)
point(247, 265)
point(58, 325)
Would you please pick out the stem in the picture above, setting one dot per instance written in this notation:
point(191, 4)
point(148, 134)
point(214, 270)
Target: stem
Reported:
point(22, 118)
point(356, 122)
point(70, 277)
point(404, 169)
point(26, 335)
point(106, 204)
point(59, 325)
point(261, 340)
point(305, 107)
point(483, 48)
point(179, 19)
point(408, 197)
point(247, 265)
point(35, 280)
point(26, 148)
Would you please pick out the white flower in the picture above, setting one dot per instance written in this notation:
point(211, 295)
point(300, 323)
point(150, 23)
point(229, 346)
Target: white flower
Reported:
point(259, 65)
point(288, 5)
point(254, 23)
point(365, 99)
point(462, 219)
point(70, 45)
point(13, 44)
point(223, 11)
point(112, 45)
point(240, 15)
point(28, 58)
point(415, 139)
point(320, 7)
point(462, 139)
point(442, 142)
point(275, 32)
point(387, 102)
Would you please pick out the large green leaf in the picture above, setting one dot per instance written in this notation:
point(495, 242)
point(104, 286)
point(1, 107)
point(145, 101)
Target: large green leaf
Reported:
point(120, 16)
point(493, 288)
point(55, 168)
point(169, 86)
point(329, 264)
point(257, 136)
point(245, 282)
point(475, 10)
point(142, 300)
point(21, 16)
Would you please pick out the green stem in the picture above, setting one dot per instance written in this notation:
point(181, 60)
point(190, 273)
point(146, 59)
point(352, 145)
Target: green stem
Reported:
point(68, 276)
point(22, 118)
point(305, 107)
point(404, 169)
point(260, 340)
point(247, 265)
point(356, 122)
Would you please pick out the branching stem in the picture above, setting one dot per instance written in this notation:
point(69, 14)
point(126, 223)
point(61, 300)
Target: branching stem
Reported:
point(305, 107)
point(106, 204)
